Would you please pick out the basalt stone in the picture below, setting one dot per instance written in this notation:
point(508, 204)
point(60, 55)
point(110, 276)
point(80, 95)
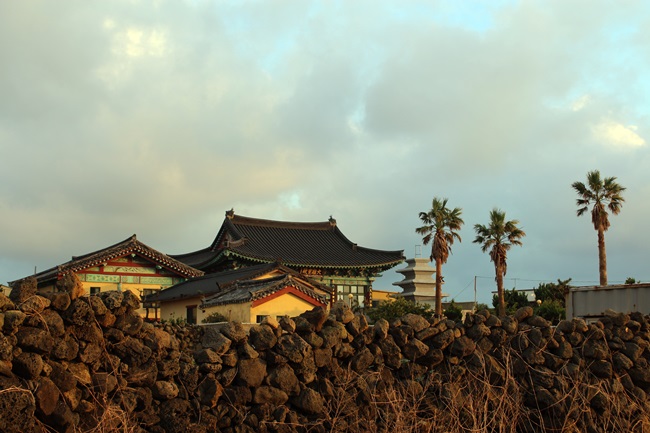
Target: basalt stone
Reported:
point(62, 378)
point(89, 332)
point(142, 374)
point(601, 368)
point(271, 395)
point(322, 356)
point(640, 376)
point(380, 329)
point(509, 324)
point(246, 351)
point(28, 365)
point(310, 402)
point(130, 300)
point(238, 395)
point(523, 313)
point(6, 303)
point(315, 317)
point(207, 356)
point(342, 312)
point(416, 322)
point(91, 353)
point(129, 323)
point(34, 305)
point(79, 312)
point(251, 372)
point(478, 331)
point(215, 340)
point(35, 340)
point(362, 360)
point(6, 347)
point(596, 349)
point(234, 331)
point(427, 333)
point(391, 353)
point(12, 320)
point(210, 390)
point(538, 322)
point(442, 340)
point(66, 348)
point(23, 290)
point(566, 326)
point(293, 347)
point(621, 362)
point(104, 383)
point(164, 390)
point(283, 377)
point(112, 299)
point(414, 349)
point(262, 337)
point(49, 320)
point(462, 347)
point(47, 396)
point(132, 351)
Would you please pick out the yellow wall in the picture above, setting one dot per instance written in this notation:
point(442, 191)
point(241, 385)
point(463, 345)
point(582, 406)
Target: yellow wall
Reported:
point(287, 304)
point(233, 312)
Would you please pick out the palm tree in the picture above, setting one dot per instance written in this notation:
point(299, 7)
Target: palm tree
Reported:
point(498, 236)
point(604, 194)
point(440, 228)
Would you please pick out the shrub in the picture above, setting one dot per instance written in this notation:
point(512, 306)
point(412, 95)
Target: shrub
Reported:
point(391, 310)
point(214, 318)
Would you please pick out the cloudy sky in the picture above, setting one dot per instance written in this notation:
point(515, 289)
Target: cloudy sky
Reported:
point(155, 117)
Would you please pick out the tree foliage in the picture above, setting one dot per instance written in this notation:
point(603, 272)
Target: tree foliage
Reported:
point(394, 309)
point(453, 311)
point(497, 237)
point(602, 194)
point(551, 298)
point(513, 300)
point(441, 226)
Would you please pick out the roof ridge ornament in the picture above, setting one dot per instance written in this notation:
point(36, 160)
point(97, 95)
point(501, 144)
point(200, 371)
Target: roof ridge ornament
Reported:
point(230, 214)
point(332, 221)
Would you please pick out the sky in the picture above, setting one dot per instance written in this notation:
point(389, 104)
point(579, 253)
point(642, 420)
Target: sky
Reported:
point(155, 117)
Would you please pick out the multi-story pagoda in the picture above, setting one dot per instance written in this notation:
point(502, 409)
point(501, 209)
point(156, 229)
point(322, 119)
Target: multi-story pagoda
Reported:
point(318, 250)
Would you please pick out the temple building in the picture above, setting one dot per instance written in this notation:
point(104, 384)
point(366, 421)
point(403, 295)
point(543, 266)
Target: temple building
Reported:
point(318, 250)
point(127, 265)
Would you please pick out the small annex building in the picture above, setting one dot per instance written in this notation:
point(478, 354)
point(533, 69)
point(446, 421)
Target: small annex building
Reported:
point(318, 250)
point(248, 295)
point(127, 265)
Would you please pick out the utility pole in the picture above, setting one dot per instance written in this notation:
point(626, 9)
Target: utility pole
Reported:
point(475, 303)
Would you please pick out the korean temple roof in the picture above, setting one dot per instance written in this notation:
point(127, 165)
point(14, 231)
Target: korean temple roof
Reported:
point(252, 290)
point(297, 244)
point(128, 246)
point(219, 282)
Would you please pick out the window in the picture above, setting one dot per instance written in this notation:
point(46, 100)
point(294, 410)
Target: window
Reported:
point(95, 290)
point(353, 295)
point(260, 318)
point(191, 314)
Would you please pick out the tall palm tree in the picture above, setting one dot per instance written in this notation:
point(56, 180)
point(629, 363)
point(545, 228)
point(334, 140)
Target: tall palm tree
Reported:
point(498, 236)
point(440, 228)
point(604, 194)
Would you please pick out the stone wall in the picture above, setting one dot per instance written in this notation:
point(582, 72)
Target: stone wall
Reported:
point(71, 363)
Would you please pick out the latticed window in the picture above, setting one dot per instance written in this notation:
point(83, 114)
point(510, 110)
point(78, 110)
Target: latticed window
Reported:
point(353, 295)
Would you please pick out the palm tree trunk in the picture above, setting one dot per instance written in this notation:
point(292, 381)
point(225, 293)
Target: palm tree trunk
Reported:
point(500, 294)
point(602, 257)
point(438, 287)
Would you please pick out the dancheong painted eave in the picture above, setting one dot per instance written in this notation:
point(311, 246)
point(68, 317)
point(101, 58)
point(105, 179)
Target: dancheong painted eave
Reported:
point(124, 248)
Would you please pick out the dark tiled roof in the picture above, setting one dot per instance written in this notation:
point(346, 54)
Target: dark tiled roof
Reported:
point(307, 244)
point(211, 283)
point(128, 246)
point(252, 290)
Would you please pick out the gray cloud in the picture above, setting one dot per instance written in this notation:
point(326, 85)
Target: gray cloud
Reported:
point(154, 118)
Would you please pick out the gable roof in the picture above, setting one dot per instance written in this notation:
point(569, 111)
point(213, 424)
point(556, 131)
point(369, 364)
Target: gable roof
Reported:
point(227, 281)
point(211, 283)
point(296, 244)
point(254, 290)
point(128, 246)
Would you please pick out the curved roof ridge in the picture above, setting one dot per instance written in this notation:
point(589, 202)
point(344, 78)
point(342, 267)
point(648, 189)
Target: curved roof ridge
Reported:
point(313, 225)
